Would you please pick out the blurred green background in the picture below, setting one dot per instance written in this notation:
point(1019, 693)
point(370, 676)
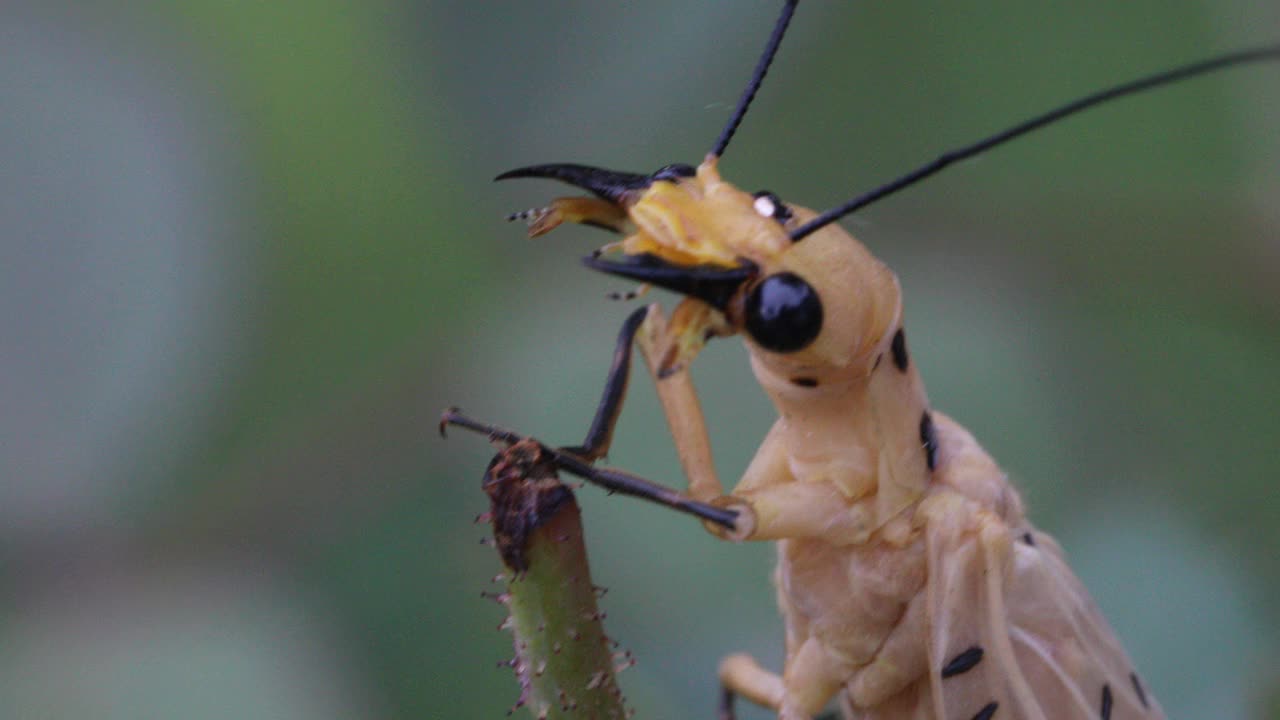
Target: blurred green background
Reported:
point(249, 250)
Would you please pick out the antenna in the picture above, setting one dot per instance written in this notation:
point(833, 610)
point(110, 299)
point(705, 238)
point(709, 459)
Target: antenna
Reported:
point(757, 77)
point(1132, 87)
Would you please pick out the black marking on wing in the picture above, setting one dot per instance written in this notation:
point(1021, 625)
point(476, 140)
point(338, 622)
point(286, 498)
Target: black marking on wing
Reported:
point(929, 439)
point(963, 662)
point(987, 711)
point(1106, 702)
point(1137, 687)
point(899, 347)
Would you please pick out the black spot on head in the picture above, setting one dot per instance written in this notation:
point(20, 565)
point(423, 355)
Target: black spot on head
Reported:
point(929, 439)
point(1106, 702)
point(1137, 687)
point(1028, 539)
point(899, 347)
point(805, 382)
point(987, 711)
point(963, 662)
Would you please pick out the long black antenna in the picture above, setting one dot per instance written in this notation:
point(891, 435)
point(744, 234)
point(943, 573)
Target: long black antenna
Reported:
point(1260, 54)
point(757, 77)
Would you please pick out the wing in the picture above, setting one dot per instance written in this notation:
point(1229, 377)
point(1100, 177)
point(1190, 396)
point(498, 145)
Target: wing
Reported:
point(1012, 632)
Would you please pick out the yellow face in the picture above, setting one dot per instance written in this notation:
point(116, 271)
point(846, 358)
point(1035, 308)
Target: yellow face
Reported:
point(815, 308)
point(703, 220)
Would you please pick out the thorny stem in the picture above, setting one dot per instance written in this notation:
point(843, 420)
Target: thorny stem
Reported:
point(563, 659)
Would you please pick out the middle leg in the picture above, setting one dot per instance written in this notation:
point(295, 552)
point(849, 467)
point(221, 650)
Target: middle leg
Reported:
point(812, 677)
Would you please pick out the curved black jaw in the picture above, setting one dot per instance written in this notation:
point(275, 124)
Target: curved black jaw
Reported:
point(711, 284)
point(612, 185)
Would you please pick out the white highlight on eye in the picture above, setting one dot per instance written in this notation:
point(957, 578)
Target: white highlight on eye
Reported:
point(765, 206)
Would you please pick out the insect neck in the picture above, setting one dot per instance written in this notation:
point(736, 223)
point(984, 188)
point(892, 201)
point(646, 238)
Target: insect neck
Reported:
point(866, 429)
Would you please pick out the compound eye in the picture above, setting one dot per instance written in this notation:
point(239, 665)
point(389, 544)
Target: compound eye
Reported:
point(768, 205)
point(783, 313)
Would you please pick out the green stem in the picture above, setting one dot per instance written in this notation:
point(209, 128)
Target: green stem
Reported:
point(563, 658)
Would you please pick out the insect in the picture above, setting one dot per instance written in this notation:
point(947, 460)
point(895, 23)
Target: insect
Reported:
point(910, 581)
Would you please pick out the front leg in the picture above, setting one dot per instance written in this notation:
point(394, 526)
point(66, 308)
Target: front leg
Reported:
point(771, 507)
point(790, 510)
point(683, 413)
point(600, 434)
point(665, 347)
point(607, 478)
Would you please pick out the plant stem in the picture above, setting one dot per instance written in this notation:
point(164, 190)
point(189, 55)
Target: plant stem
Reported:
point(563, 659)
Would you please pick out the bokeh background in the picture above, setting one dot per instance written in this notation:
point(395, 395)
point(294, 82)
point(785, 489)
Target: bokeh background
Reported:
point(249, 250)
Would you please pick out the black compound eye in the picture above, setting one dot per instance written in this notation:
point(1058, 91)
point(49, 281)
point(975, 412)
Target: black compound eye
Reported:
point(783, 313)
point(770, 206)
point(673, 172)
